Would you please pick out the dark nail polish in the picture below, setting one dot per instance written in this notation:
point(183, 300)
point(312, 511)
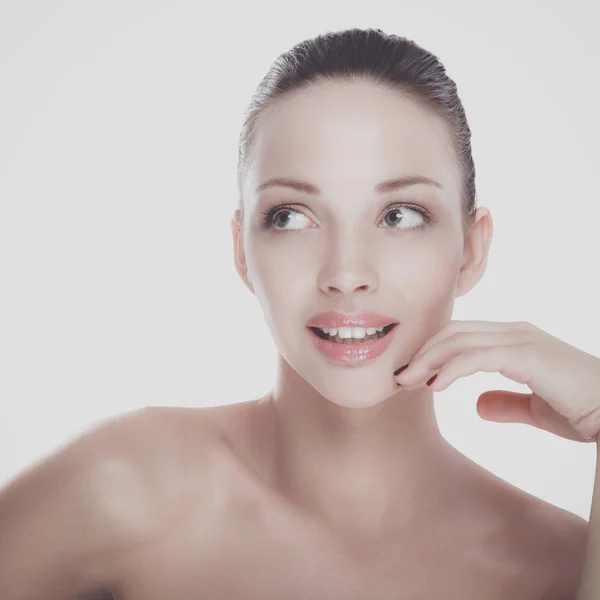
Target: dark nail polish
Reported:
point(430, 381)
point(397, 371)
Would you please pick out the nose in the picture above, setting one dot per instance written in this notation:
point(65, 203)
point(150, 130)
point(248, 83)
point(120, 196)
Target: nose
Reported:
point(348, 266)
point(345, 288)
point(348, 279)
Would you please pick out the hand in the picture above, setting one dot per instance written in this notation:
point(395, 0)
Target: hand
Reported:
point(565, 381)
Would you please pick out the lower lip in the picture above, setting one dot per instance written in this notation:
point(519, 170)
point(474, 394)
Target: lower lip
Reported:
point(353, 353)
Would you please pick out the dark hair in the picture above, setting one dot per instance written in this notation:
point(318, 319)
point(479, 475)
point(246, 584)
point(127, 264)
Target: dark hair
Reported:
point(388, 60)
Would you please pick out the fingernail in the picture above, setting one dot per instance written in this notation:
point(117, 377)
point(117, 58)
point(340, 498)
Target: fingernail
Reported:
point(430, 381)
point(397, 371)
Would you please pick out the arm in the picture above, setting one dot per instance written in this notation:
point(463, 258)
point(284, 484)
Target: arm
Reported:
point(589, 588)
point(65, 521)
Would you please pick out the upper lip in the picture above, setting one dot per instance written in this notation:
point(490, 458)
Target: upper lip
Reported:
point(335, 318)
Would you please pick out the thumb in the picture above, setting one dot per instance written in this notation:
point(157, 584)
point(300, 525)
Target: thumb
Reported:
point(505, 407)
point(513, 407)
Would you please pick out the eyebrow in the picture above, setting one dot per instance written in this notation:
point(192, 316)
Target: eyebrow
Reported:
point(385, 187)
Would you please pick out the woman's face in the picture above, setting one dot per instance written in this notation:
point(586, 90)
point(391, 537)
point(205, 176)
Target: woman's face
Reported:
point(348, 247)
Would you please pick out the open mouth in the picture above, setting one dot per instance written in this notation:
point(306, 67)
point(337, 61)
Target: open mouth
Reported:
point(351, 340)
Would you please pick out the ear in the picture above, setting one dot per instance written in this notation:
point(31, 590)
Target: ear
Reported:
point(475, 254)
point(238, 251)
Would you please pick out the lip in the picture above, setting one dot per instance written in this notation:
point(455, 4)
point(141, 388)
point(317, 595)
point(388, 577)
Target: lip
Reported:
point(336, 318)
point(353, 353)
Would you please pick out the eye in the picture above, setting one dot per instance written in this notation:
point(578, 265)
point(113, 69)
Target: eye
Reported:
point(401, 214)
point(405, 214)
point(273, 220)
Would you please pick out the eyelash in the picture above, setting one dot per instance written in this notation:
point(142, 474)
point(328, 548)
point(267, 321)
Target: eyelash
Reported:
point(269, 213)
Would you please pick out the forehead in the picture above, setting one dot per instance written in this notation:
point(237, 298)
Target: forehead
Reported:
point(349, 135)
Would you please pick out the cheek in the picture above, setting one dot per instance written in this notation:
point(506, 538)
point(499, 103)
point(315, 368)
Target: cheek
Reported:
point(283, 281)
point(428, 277)
point(278, 268)
point(427, 291)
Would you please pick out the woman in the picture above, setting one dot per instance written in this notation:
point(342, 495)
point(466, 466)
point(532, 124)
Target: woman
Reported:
point(357, 219)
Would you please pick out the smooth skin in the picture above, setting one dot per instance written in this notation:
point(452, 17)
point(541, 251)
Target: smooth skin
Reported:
point(337, 483)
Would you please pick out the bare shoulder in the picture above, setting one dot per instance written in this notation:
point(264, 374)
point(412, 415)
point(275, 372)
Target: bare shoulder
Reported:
point(549, 544)
point(154, 459)
point(68, 520)
point(530, 543)
point(556, 540)
point(131, 469)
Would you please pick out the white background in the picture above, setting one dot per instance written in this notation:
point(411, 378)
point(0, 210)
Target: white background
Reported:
point(119, 123)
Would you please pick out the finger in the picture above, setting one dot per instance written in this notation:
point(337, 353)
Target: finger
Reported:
point(441, 353)
point(456, 326)
point(505, 407)
point(512, 361)
point(514, 407)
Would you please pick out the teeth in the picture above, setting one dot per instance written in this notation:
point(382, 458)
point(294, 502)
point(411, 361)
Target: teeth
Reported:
point(351, 332)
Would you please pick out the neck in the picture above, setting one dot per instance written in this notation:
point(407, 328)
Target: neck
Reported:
point(359, 469)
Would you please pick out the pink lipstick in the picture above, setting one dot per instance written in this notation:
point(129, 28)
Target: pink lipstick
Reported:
point(373, 335)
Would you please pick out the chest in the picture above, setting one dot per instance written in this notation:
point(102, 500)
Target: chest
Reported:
point(251, 556)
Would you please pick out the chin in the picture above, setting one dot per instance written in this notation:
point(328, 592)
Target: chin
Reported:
point(358, 398)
